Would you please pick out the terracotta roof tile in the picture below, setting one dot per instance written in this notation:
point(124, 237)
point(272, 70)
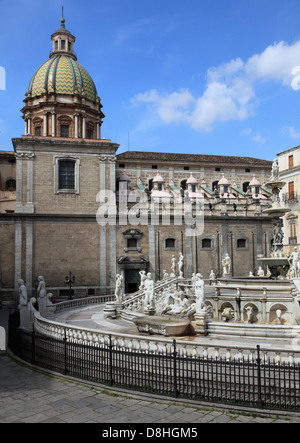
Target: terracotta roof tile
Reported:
point(192, 158)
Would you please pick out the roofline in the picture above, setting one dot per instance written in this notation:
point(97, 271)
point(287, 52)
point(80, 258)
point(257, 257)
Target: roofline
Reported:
point(289, 150)
point(203, 158)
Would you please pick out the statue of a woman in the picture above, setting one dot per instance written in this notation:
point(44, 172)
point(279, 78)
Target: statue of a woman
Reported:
point(119, 288)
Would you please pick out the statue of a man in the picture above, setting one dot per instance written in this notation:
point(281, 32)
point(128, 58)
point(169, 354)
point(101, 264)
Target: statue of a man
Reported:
point(226, 265)
point(119, 288)
point(173, 266)
point(22, 294)
point(275, 171)
point(294, 260)
point(212, 278)
point(199, 293)
point(41, 296)
point(149, 291)
point(23, 304)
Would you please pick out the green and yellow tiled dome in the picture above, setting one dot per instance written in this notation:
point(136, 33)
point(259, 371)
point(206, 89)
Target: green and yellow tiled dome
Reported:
point(62, 74)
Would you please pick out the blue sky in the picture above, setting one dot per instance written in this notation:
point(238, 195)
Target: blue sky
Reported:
point(195, 76)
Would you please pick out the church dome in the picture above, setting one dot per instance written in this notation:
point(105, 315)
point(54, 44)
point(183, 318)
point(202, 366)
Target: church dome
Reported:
point(62, 74)
point(62, 99)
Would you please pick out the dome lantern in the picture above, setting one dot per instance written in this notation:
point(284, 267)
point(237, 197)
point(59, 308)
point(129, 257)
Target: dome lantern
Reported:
point(63, 41)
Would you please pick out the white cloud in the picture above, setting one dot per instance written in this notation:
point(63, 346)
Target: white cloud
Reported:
point(291, 131)
point(230, 90)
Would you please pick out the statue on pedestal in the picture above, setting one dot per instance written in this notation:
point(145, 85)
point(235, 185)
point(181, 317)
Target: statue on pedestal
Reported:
point(119, 288)
point(275, 171)
point(199, 293)
point(180, 265)
point(173, 266)
point(23, 304)
point(226, 262)
point(149, 292)
point(143, 279)
point(294, 261)
point(42, 296)
point(212, 278)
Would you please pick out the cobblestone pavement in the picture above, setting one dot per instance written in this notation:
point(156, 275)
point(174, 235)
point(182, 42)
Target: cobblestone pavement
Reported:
point(30, 396)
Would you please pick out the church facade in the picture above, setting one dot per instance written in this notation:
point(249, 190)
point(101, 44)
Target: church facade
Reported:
point(70, 214)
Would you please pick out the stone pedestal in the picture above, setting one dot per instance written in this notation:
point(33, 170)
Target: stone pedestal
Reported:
point(149, 310)
point(119, 307)
point(110, 310)
point(200, 323)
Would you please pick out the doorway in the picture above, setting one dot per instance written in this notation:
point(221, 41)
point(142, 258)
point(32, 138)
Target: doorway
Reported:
point(132, 280)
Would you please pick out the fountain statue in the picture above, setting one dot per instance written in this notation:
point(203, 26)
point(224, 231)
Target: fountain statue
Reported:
point(278, 262)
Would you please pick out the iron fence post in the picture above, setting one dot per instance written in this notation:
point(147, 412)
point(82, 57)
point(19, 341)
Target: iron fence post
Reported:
point(260, 402)
point(176, 393)
point(65, 353)
point(33, 345)
point(111, 381)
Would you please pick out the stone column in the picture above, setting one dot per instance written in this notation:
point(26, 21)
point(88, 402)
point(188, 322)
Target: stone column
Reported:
point(112, 161)
point(188, 253)
point(29, 126)
point(18, 252)
point(98, 131)
point(102, 159)
point(113, 257)
point(29, 205)
point(76, 126)
point(152, 251)
point(53, 132)
point(19, 180)
point(103, 255)
point(45, 133)
point(83, 127)
point(29, 257)
point(103, 232)
point(224, 239)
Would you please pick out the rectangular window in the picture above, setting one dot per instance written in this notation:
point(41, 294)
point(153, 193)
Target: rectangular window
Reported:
point(186, 168)
point(291, 191)
point(64, 131)
point(293, 234)
point(291, 161)
point(63, 44)
point(66, 175)
point(38, 131)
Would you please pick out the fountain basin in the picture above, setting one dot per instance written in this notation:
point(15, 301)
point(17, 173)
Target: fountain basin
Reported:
point(169, 327)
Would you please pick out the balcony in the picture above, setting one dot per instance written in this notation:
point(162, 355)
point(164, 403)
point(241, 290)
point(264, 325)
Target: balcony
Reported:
point(293, 241)
point(290, 199)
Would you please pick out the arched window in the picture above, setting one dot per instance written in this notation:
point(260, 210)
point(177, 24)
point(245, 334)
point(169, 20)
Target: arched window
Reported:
point(10, 185)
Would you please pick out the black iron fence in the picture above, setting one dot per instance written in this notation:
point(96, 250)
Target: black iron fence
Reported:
point(247, 382)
